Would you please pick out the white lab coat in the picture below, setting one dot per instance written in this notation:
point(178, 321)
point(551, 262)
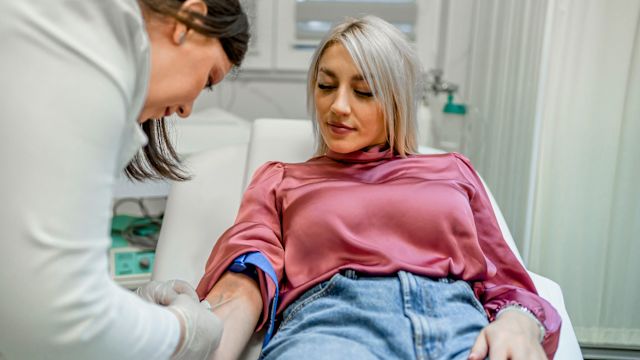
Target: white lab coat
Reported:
point(73, 77)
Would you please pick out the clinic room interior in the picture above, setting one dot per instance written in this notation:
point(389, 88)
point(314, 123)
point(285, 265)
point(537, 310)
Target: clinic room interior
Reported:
point(542, 96)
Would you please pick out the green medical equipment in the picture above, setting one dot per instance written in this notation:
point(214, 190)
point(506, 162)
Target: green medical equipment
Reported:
point(130, 264)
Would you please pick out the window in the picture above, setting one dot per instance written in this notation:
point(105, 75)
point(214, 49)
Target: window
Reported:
point(286, 32)
point(315, 17)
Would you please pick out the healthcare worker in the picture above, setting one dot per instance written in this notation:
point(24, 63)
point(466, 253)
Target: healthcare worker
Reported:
point(79, 80)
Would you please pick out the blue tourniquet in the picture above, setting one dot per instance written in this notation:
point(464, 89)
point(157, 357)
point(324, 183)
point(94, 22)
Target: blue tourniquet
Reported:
point(258, 260)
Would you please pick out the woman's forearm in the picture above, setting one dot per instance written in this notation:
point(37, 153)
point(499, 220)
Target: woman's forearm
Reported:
point(236, 299)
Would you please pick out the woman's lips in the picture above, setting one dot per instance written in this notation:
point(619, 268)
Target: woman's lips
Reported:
point(340, 129)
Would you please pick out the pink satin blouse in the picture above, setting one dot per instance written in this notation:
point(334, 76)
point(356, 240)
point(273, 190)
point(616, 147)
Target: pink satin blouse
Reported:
point(377, 213)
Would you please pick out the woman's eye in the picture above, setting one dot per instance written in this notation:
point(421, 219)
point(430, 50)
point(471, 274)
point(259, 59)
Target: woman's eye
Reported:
point(325, 87)
point(364, 93)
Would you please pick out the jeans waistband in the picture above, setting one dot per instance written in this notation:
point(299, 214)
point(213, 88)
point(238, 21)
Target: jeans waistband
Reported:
point(355, 275)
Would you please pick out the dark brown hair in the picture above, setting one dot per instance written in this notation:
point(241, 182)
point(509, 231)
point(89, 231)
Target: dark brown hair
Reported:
point(225, 20)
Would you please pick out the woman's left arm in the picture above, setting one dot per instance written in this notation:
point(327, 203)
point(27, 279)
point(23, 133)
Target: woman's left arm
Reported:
point(508, 294)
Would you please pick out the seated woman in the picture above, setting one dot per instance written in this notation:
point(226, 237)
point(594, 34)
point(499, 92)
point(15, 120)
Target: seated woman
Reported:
point(378, 252)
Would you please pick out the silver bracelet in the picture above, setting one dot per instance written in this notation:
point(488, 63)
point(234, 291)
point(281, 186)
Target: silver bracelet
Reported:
point(527, 312)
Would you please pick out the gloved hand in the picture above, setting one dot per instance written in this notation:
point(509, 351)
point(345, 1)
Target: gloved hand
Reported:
point(200, 329)
point(165, 292)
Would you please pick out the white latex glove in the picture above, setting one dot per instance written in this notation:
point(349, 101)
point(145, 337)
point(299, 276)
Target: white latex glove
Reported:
point(165, 292)
point(201, 330)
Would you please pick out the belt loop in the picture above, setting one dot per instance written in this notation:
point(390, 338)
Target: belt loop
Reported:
point(350, 274)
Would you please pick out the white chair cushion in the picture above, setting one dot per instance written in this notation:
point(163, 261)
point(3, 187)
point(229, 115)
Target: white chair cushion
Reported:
point(198, 211)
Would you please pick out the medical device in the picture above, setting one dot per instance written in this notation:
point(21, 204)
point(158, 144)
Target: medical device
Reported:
point(132, 251)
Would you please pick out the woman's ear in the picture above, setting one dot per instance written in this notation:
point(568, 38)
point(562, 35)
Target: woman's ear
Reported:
point(188, 7)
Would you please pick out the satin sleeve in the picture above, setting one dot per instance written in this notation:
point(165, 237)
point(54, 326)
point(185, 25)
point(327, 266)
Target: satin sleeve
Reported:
point(508, 281)
point(256, 228)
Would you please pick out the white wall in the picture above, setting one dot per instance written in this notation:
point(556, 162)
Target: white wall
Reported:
point(257, 94)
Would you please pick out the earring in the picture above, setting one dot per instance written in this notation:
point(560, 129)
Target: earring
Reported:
point(181, 38)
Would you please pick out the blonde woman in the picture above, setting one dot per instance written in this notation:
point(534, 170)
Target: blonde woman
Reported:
point(377, 252)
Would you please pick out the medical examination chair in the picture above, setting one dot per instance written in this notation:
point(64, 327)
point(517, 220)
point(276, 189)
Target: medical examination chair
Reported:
point(200, 210)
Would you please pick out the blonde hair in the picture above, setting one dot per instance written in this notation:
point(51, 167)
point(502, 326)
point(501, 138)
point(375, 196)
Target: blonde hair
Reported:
point(390, 67)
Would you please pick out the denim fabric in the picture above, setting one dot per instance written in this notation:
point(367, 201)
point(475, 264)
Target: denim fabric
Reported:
point(403, 316)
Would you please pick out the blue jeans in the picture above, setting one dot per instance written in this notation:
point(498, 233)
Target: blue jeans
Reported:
point(403, 316)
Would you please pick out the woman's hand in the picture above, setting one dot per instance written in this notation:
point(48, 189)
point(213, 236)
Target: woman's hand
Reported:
point(512, 336)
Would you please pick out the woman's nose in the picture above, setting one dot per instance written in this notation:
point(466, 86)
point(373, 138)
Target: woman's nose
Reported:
point(340, 105)
point(184, 110)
